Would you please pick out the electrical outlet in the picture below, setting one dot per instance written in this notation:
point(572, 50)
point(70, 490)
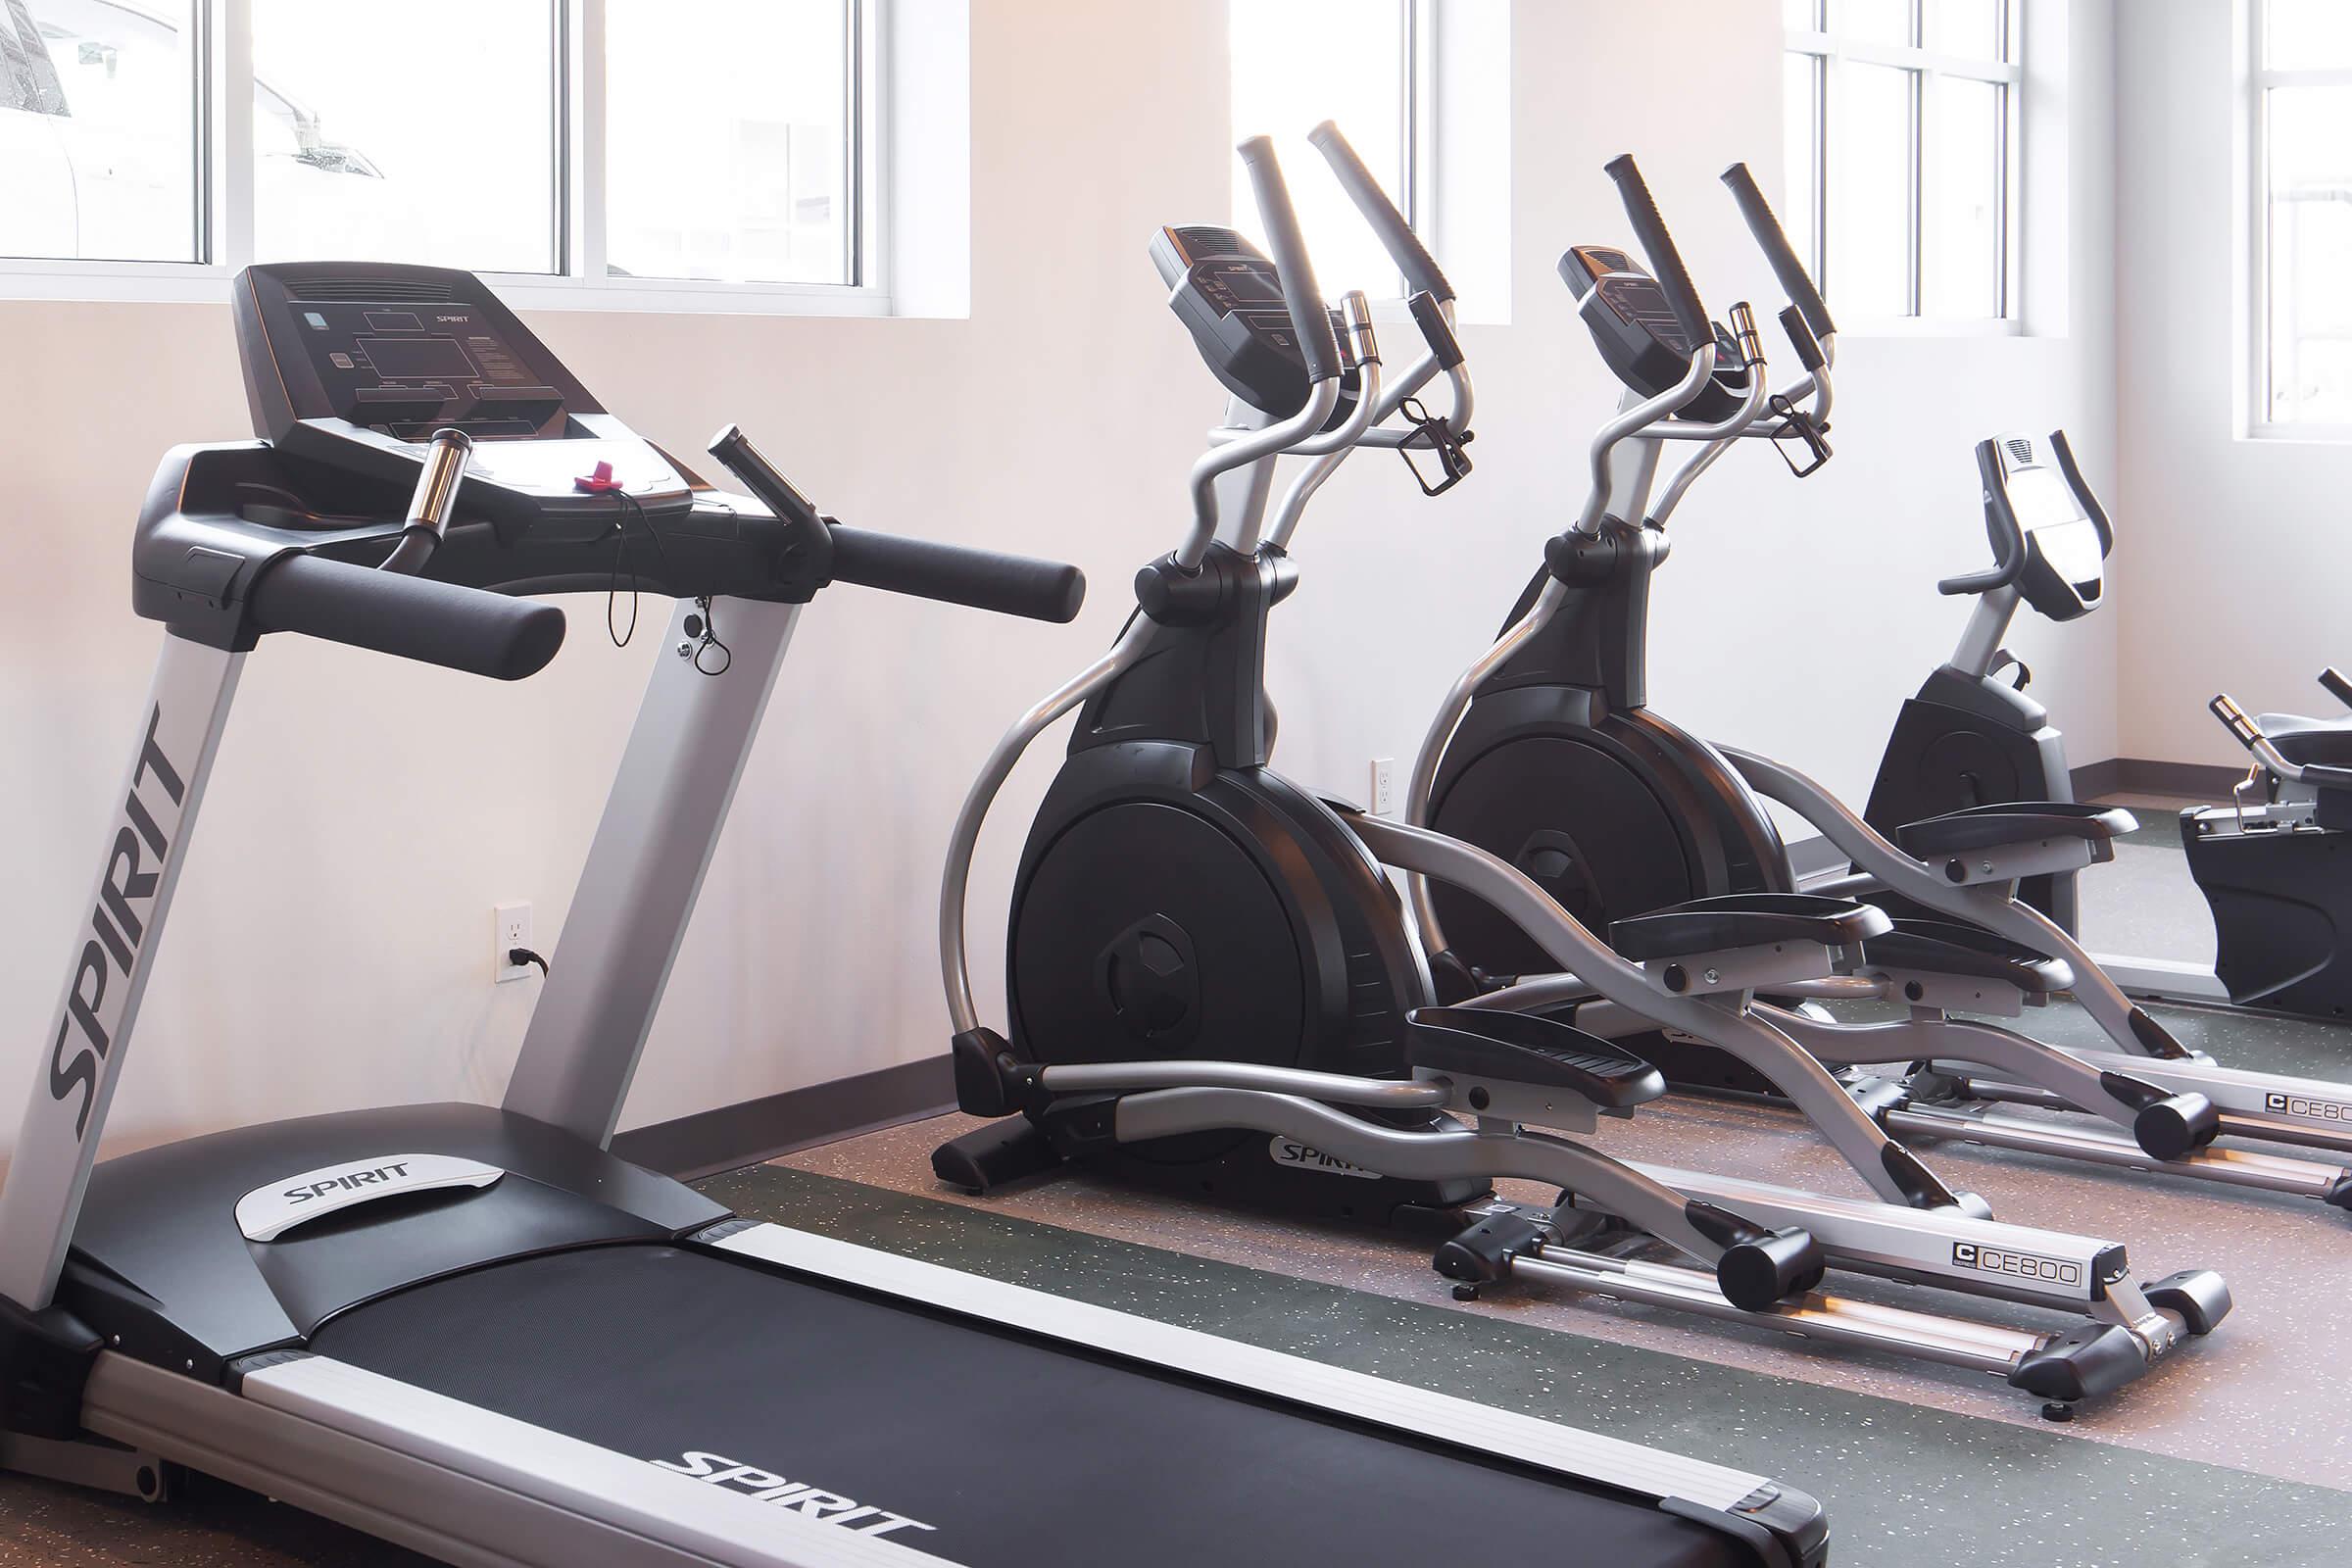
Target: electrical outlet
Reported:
point(511, 927)
point(1384, 786)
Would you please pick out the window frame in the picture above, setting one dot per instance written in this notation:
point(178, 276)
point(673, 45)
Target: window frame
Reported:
point(221, 58)
point(2259, 356)
point(1827, 45)
point(1419, 124)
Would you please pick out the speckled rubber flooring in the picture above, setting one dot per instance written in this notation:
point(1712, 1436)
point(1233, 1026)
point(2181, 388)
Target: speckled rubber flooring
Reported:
point(2238, 1451)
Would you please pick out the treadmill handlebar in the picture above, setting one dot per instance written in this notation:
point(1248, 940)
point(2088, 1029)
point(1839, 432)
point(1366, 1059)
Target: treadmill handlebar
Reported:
point(983, 579)
point(955, 574)
point(1404, 247)
point(1641, 211)
point(1795, 282)
point(1309, 318)
point(468, 629)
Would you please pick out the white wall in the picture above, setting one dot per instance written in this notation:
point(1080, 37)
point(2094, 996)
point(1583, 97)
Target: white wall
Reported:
point(328, 945)
point(2217, 532)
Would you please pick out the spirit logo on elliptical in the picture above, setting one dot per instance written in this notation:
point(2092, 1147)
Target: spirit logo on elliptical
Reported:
point(1290, 1151)
point(795, 1497)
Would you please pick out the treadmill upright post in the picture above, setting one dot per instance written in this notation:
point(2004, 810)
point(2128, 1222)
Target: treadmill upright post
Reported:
point(644, 869)
point(81, 1059)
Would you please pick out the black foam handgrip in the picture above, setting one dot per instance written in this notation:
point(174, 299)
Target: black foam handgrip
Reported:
point(1396, 236)
point(2336, 686)
point(1795, 281)
point(1308, 317)
point(1438, 333)
point(469, 629)
point(1801, 339)
point(1010, 585)
point(1658, 245)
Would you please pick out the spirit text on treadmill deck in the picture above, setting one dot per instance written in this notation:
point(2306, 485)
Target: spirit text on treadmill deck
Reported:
point(762, 1486)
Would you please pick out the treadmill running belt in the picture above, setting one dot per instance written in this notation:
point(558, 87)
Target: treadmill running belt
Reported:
point(968, 1440)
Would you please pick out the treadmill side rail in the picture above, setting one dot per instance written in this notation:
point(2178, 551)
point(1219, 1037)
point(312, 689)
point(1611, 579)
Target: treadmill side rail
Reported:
point(1440, 1417)
point(458, 1482)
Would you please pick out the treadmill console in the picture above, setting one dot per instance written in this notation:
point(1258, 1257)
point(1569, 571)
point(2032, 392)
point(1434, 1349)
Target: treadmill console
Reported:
point(1637, 335)
point(356, 365)
point(2064, 571)
point(1229, 297)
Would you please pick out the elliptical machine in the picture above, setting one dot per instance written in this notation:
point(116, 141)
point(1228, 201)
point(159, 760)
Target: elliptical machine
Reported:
point(1971, 736)
point(2268, 863)
point(1215, 990)
point(1546, 752)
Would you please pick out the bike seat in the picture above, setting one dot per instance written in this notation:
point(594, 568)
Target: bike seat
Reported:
point(1992, 827)
point(2310, 742)
point(1744, 920)
point(1521, 1047)
point(1949, 948)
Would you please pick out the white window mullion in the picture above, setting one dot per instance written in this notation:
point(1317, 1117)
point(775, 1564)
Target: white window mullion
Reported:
point(229, 139)
point(583, 141)
point(1923, 83)
point(871, 152)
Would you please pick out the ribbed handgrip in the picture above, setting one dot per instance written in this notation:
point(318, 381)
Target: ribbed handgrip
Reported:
point(1795, 282)
point(469, 629)
point(1308, 317)
point(1404, 247)
point(1682, 298)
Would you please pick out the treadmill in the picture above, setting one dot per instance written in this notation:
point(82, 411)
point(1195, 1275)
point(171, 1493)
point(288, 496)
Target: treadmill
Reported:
point(471, 1330)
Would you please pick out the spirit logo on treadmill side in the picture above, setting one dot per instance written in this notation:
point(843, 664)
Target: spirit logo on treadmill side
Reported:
point(1306, 1156)
point(793, 1496)
point(2016, 1265)
point(2307, 1108)
point(135, 867)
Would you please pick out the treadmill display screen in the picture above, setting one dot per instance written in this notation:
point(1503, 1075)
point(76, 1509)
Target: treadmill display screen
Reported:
point(408, 371)
point(403, 359)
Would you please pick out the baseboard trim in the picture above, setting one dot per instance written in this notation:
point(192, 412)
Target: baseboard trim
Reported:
point(2094, 780)
point(731, 1137)
point(2138, 775)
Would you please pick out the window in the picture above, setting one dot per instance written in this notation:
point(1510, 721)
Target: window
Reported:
point(1901, 119)
point(629, 151)
point(2302, 141)
point(98, 131)
point(1412, 84)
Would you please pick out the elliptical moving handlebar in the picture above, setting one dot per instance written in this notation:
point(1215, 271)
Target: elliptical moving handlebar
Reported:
point(1681, 296)
point(1299, 292)
point(1795, 282)
point(1404, 247)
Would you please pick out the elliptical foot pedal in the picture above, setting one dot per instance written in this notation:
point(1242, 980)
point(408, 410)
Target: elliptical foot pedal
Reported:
point(995, 1155)
point(1484, 1254)
point(2200, 1295)
point(2083, 1363)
